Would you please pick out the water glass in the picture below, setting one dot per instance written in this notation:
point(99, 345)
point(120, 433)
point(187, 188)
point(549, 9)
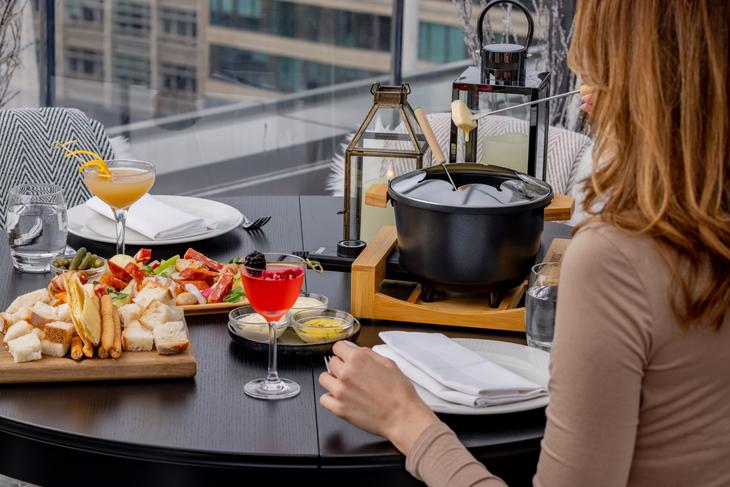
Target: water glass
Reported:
point(37, 225)
point(541, 301)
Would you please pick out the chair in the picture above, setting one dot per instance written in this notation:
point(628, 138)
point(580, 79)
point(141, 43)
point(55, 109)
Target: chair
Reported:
point(26, 154)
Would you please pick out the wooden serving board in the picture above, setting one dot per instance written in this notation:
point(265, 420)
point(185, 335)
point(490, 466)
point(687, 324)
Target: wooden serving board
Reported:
point(131, 365)
point(210, 309)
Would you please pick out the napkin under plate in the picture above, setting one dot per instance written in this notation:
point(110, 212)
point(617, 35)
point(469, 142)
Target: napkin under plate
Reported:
point(453, 372)
point(154, 219)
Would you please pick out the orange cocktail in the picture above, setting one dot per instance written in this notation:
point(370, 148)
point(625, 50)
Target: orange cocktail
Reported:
point(122, 188)
point(118, 183)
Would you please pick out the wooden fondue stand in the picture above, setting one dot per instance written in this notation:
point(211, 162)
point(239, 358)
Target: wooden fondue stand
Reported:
point(368, 275)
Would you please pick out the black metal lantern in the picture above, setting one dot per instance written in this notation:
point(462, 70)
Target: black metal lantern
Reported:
point(519, 140)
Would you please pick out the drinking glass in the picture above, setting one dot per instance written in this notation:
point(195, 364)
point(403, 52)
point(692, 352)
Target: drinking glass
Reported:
point(272, 292)
point(128, 182)
point(37, 225)
point(541, 300)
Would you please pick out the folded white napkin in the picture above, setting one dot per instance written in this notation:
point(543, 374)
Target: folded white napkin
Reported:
point(154, 219)
point(453, 372)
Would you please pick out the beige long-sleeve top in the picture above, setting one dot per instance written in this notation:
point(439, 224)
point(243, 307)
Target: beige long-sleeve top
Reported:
point(634, 400)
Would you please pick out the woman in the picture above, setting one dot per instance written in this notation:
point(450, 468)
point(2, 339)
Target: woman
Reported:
point(640, 367)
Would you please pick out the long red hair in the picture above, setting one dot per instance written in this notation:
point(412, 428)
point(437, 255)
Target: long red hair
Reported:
point(659, 74)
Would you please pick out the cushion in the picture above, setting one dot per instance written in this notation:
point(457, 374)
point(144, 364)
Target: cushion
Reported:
point(26, 155)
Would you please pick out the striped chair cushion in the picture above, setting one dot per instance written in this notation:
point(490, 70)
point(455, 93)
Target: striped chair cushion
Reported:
point(26, 155)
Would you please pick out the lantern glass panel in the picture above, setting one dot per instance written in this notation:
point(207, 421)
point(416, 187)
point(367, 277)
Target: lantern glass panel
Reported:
point(393, 130)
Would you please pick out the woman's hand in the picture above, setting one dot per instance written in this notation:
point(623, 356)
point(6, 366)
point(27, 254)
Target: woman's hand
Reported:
point(587, 95)
point(369, 391)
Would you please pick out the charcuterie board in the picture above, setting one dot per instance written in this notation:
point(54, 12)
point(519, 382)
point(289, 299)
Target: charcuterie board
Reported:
point(131, 365)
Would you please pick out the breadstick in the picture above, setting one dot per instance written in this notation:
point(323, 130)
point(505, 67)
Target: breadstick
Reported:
point(88, 349)
point(107, 326)
point(116, 350)
point(76, 346)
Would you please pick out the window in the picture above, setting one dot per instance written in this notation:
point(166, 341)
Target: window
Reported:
point(278, 73)
point(130, 69)
point(88, 12)
point(84, 63)
point(245, 14)
point(301, 21)
point(178, 23)
point(178, 78)
point(440, 43)
point(131, 18)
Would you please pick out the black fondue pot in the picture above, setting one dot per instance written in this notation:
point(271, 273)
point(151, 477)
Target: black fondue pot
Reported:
point(484, 235)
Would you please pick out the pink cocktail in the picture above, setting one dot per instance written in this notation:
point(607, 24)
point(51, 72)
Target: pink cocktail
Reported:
point(272, 288)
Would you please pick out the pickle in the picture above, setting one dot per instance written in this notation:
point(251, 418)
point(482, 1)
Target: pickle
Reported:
point(98, 262)
point(87, 261)
point(80, 254)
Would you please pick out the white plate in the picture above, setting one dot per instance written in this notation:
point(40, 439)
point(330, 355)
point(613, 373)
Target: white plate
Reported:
point(86, 223)
point(530, 363)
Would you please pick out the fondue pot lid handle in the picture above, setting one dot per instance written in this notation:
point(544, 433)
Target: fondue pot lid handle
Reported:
point(480, 189)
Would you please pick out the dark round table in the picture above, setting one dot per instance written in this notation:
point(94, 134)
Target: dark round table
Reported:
point(204, 431)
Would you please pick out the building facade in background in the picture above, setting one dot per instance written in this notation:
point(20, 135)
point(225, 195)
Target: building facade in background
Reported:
point(130, 60)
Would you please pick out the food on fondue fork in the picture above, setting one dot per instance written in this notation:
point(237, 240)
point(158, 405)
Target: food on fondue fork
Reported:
point(462, 118)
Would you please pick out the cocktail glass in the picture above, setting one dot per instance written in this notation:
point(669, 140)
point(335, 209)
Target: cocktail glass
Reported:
point(128, 182)
point(272, 292)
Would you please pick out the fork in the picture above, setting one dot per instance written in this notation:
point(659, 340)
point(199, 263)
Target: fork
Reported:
point(327, 362)
point(251, 225)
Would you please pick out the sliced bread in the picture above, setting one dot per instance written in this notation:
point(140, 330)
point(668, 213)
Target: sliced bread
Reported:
point(53, 349)
point(25, 348)
point(171, 338)
point(155, 314)
point(130, 312)
point(59, 332)
point(16, 330)
point(42, 313)
point(137, 338)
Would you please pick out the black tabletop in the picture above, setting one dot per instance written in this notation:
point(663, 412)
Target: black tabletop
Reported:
point(205, 430)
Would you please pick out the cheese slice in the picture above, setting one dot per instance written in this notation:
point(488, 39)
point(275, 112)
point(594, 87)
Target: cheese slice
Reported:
point(462, 118)
point(85, 310)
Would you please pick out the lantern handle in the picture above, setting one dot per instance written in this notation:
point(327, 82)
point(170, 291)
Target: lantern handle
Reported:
point(480, 22)
point(404, 88)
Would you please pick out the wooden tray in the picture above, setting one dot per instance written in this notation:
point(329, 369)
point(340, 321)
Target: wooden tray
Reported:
point(211, 309)
point(370, 301)
point(131, 365)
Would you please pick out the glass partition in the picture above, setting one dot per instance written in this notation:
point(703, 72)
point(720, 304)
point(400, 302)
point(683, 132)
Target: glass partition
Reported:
point(245, 96)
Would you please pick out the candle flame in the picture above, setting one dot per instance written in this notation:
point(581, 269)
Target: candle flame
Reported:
point(391, 173)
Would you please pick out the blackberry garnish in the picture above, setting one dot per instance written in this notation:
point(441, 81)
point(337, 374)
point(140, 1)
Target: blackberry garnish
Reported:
point(255, 260)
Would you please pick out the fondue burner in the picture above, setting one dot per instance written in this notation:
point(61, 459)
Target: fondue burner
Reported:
point(380, 292)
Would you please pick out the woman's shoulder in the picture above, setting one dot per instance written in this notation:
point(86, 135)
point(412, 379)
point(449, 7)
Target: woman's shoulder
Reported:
point(600, 243)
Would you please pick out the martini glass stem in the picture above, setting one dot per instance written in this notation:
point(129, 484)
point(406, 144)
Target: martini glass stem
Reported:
point(272, 376)
point(120, 216)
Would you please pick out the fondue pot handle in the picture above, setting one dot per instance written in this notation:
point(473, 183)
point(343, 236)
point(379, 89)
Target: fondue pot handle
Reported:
point(480, 22)
point(377, 195)
point(560, 208)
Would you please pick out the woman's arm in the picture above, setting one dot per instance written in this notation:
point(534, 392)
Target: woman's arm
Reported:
point(369, 391)
point(602, 342)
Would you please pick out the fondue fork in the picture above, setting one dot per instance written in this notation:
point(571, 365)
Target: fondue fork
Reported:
point(478, 115)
